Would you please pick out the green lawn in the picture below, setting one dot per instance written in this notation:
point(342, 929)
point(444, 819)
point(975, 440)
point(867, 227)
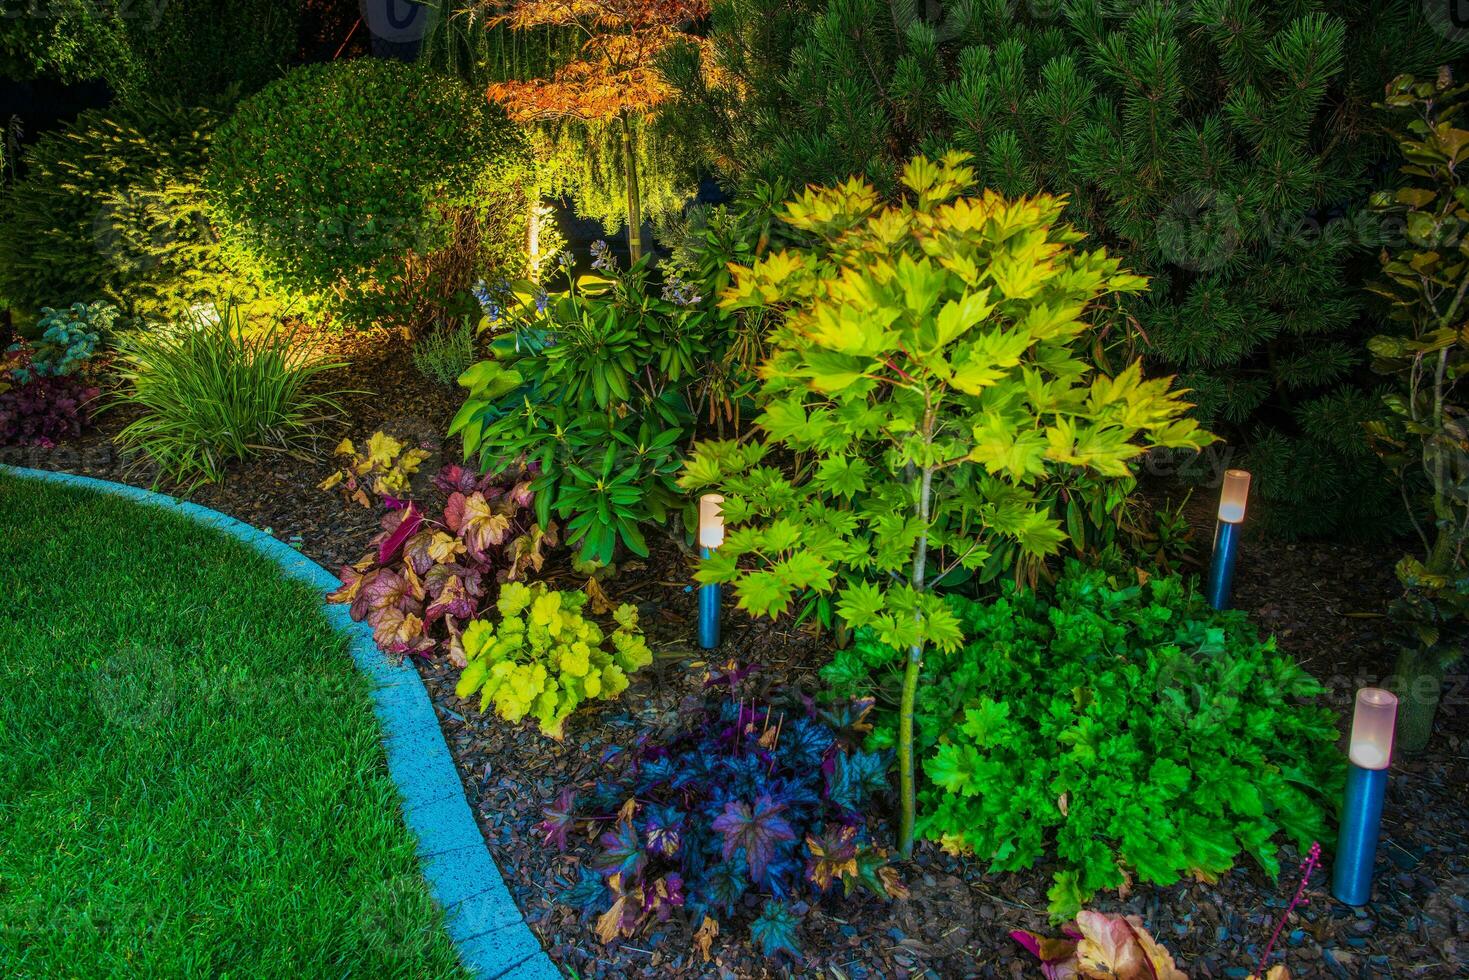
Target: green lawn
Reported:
point(190, 779)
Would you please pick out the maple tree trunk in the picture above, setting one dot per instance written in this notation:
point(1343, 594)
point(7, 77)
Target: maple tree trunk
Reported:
point(634, 203)
point(907, 794)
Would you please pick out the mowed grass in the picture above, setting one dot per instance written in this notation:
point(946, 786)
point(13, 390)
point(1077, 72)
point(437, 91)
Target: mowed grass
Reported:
point(190, 779)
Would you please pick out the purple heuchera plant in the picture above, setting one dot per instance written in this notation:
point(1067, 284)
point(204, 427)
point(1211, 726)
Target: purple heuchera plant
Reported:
point(423, 578)
point(44, 410)
point(744, 809)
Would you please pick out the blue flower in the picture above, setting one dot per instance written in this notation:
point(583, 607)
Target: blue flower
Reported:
point(602, 258)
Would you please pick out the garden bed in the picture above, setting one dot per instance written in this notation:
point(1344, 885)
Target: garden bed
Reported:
point(1323, 601)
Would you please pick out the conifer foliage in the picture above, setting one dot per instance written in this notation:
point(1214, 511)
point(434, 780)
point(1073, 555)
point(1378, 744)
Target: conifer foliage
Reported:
point(1223, 147)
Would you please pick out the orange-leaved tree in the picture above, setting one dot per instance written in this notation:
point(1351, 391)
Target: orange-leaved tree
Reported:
point(614, 78)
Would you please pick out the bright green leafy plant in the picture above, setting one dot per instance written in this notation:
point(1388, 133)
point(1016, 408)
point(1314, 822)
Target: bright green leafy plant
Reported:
point(544, 658)
point(216, 388)
point(929, 373)
point(1125, 732)
point(1425, 437)
point(593, 385)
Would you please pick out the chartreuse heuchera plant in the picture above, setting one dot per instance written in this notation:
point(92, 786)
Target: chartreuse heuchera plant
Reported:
point(1122, 732)
point(746, 809)
point(930, 374)
point(544, 658)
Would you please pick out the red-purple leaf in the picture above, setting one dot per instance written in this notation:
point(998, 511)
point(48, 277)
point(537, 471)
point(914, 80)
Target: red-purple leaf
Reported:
point(560, 818)
point(407, 527)
point(453, 600)
point(757, 829)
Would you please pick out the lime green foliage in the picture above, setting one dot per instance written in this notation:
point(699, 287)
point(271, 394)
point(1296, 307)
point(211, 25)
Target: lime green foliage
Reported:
point(939, 335)
point(370, 190)
point(544, 658)
point(446, 353)
point(111, 207)
point(193, 780)
point(1127, 733)
point(930, 370)
point(214, 389)
point(584, 161)
point(385, 469)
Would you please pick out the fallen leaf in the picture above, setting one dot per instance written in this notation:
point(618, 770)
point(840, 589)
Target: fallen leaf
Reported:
point(601, 605)
point(704, 937)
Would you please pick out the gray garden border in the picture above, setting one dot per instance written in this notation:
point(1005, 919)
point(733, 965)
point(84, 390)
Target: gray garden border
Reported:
point(481, 916)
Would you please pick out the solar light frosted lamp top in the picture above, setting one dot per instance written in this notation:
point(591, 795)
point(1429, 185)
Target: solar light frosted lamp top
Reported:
point(1234, 496)
point(1372, 728)
point(711, 520)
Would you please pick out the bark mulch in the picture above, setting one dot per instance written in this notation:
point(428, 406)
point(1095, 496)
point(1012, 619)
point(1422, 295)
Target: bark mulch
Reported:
point(1323, 601)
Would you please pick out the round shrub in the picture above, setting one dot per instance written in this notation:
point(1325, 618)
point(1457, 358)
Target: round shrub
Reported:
point(112, 207)
point(370, 191)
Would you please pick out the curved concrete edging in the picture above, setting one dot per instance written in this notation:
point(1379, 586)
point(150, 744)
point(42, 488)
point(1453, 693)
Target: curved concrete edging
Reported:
point(480, 914)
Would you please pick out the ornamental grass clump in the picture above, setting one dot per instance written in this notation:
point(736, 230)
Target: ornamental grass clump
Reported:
point(931, 373)
point(216, 388)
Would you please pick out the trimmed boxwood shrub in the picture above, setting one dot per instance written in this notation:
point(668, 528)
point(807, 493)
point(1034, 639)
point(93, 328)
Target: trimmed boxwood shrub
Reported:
point(112, 207)
point(370, 191)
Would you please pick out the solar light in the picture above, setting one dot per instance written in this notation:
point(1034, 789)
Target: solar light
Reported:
point(711, 536)
point(1232, 499)
point(1361, 819)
